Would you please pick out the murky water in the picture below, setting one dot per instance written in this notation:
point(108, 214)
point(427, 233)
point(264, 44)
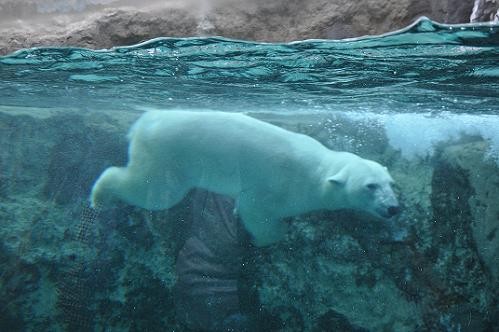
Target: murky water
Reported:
point(422, 101)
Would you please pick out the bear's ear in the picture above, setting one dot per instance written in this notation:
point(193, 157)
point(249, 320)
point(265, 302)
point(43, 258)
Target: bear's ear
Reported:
point(339, 178)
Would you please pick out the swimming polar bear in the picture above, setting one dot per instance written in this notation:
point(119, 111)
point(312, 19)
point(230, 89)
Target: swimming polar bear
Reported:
point(272, 173)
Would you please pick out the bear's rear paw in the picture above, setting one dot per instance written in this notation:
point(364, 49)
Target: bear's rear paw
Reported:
point(102, 193)
point(97, 199)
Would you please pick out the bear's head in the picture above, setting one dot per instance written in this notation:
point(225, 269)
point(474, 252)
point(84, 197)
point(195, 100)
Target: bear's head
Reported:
point(364, 185)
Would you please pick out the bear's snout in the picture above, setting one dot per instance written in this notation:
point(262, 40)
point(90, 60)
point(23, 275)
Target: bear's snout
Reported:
point(388, 211)
point(393, 210)
point(385, 203)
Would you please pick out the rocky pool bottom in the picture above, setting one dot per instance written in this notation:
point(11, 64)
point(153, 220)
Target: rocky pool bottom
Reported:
point(64, 266)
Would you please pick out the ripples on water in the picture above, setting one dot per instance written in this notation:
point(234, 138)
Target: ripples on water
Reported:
point(425, 67)
point(423, 71)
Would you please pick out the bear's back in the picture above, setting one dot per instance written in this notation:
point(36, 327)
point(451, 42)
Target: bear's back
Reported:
point(210, 129)
point(223, 149)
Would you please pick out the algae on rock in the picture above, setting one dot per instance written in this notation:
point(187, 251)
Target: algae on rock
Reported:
point(334, 268)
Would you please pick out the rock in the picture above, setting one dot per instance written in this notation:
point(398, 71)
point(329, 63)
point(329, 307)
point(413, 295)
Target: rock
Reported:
point(117, 269)
point(463, 251)
point(63, 266)
point(485, 10)
point(103, 24)
point(483, 175)
point(333, 321)
point(335, 271)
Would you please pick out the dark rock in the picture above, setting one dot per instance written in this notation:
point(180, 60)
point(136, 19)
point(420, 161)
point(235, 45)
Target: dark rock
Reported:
point(334, 321)
point(457, 277)
point(485, 10)
point(483, 175)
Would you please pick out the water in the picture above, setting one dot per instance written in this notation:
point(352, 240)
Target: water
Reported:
point(427, 67)
point(422, 101)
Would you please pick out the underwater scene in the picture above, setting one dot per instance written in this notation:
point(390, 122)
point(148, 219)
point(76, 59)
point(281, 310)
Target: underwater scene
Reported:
point(209, 184)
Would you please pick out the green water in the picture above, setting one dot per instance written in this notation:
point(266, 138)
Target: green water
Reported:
point(422, 101)
point(424, 67)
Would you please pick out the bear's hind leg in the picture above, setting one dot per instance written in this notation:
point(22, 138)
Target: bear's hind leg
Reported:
point(106, 188)
point(159, 196)
point(148, 190)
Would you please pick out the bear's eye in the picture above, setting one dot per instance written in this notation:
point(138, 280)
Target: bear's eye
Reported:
point(372, 186)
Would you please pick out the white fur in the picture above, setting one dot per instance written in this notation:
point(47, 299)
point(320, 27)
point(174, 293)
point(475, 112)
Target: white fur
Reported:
point(271, 172)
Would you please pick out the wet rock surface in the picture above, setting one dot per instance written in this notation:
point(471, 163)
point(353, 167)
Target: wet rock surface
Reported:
point(480, 173)
point(65, 266)
point(103, 24)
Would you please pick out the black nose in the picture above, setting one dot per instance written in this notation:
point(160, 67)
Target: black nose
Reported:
point(393, 210)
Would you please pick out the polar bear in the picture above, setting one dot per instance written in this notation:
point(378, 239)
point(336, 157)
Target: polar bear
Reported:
point(272, 173)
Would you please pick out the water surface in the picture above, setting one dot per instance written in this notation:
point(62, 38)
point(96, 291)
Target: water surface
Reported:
point(425, 67)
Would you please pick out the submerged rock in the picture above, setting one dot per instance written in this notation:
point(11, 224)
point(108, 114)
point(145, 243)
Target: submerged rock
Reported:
point(329, 265)
point(458, 277)
point(64, 268)
point(482, 172)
